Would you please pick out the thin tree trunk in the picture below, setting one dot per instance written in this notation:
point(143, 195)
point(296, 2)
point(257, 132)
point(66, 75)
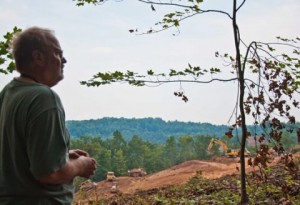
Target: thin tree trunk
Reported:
point(244, 196)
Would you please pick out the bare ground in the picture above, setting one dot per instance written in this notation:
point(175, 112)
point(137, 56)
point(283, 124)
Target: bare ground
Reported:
point(177, 175)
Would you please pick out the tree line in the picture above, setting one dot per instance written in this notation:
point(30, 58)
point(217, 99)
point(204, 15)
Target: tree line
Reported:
point(151, 129)
point(156, 130)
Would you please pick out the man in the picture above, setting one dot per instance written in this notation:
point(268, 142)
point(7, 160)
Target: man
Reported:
point(36, 165)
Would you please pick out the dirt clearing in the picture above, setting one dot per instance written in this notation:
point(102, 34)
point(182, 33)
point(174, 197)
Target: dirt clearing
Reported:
point(176, 175)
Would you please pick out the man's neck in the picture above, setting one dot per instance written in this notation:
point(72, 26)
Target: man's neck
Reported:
point(27, 78)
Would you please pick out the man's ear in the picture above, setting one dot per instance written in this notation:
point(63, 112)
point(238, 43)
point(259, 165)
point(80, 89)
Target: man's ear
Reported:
point(38, 57)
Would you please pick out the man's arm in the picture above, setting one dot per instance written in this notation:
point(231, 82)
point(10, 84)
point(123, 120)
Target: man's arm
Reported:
point(82, 166)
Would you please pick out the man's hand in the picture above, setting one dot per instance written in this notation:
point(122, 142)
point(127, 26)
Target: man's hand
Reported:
point(81, 166)
point(76, 153)
point(88, 166)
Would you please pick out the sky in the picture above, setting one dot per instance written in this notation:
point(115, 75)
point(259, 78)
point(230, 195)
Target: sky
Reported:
point(97, 39)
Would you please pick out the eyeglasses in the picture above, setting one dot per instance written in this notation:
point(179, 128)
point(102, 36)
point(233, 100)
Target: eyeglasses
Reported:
point(59, 52)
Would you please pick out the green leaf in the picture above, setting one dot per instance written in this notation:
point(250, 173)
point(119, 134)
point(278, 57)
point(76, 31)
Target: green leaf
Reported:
point(150, 72)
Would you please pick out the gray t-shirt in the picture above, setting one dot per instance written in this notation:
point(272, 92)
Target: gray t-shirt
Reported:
point(34, 142)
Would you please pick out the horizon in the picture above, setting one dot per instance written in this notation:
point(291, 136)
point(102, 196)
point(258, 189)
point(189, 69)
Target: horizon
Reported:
point(158, 118)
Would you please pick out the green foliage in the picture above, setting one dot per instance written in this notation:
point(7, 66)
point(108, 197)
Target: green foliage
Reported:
point(119, 164)
point(112, 77)
point(83, 2)
point(7, 64)
point(200, 147)
point(156, 130)
point(117, 143)
point(135, 79)
point(137, 149)
point(170, 151)
point(186, 148)
point(92, 145)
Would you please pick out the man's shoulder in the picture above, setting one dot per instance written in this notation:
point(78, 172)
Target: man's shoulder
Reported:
point(43, 90)
point(46, 95)
point(38, 93)
point(35, 88)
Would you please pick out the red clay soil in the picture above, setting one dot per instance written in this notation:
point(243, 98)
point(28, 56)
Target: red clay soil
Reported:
point(176, 175)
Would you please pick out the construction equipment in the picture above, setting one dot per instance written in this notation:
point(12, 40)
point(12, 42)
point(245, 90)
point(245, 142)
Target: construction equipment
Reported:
point(114, 188)
point(111, 176)
point(88, 185)
point(228, 152)
point(137, 172)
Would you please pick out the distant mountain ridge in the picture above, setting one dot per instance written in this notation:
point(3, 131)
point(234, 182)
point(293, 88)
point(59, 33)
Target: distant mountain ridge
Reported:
point(150, 129)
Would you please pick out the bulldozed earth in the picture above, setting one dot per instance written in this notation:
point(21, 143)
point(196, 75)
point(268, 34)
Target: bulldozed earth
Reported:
point(176, 175)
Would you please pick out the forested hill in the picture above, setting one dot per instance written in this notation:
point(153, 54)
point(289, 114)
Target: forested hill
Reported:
point(150, 129)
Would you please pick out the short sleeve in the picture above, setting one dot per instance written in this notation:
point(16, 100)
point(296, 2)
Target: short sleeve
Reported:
point(47, 143)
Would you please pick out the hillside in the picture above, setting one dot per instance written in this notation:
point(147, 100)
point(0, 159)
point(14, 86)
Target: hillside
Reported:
point(151, 129)
point(154, 130)
point(214, 172)
point(176, 175)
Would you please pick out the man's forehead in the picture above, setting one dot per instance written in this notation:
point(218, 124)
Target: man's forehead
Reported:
point(55, 44)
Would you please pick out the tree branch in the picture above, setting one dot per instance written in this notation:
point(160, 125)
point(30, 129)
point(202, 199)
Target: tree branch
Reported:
point(165, 4)
point(188, 81)
point(157, 31)
point(185, 6)
point(241, 5)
